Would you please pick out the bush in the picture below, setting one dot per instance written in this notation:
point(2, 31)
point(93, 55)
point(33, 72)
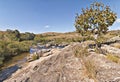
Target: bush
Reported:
point(35, 57)
point(27, 36)
point(24, 46)
point(1, 60)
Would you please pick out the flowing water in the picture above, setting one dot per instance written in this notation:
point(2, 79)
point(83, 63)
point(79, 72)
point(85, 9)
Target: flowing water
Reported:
point(15, 60)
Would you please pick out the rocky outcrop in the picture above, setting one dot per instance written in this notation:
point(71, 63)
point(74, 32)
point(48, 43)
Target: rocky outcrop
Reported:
point(111, 50)
point(106, 70)
point(44, 50)
point(116, 38)
point(63, 66)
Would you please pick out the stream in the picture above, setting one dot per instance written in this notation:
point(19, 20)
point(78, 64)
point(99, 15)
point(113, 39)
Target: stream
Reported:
point(12, 65)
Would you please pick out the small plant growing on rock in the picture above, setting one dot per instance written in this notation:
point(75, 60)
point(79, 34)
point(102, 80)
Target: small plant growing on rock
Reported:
point(35, 57)
point(80, 51)
point(90, 69)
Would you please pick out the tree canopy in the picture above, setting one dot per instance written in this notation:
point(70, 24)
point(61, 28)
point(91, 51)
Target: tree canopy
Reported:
point(97, 17)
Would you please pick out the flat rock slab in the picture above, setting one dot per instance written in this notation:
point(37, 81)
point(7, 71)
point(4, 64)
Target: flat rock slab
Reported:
point(62, 66)
point(112, 50)
point(107, 71)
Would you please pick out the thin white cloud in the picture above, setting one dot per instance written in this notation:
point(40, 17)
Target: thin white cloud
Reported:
point(47, 26)
point(118, 20)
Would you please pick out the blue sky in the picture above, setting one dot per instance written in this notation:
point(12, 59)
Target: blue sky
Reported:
point(40, 16)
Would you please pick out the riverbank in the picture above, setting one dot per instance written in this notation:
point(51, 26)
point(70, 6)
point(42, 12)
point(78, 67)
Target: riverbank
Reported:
point(76, 62)
point(15, 60)
point(12, 65)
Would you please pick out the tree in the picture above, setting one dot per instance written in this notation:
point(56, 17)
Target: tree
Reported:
point(96, 18)
point(17, 33)
point(13, 34)
point(27, 36)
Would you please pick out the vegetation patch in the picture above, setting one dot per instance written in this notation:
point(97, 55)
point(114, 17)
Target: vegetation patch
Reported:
point(35, 57)
point(90, 69)
point(80, 51)
point(116, 45)
point(112, 58)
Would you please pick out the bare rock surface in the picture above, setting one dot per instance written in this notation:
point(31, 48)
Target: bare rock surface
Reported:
point(62, 66)
point(116, 38)
point(111, 50)
point(107, 71)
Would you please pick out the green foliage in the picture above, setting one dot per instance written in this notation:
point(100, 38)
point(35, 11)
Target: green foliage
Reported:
point(12, 48)
point(27, 36)
point(35, 57)
point(97, 17)
point(1, 60)
point(13, 35)
point(25, 45)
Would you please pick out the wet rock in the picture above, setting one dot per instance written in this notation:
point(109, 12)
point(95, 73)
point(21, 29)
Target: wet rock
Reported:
point(8, 72)
point(48, 45)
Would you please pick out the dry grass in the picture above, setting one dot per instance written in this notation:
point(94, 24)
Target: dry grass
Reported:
point(80, 51)
point(112, 58)
point(116, 45)
point(91, 70)
point(72, 37)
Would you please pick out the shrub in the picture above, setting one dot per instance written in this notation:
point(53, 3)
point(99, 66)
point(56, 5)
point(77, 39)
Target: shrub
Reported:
point(1, 60)
point(35, 57)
